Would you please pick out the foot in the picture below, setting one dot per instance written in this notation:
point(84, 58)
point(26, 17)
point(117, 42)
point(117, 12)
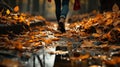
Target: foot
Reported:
point(61, 25)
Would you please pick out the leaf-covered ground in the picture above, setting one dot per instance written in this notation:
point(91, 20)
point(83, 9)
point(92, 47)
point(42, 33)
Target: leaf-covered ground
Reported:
point(88, 42)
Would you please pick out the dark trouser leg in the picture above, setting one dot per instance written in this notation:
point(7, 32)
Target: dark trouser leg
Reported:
point(58, 9)
point(65, 8)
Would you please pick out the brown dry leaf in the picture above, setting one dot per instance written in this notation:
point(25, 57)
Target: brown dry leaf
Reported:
point(26, 44)
point(103, 57)
point(98, 16)
point(108, 15)
point(43, 34)
point(117, 23)
point(69, 43)
point(110, 62)
point(27, 23)
point(87, 43)
point(109, 22)
point(16, 9)
point(12, 22)
point(109, 36)
point(41, 28)
point(105, 47)
point(83, 34)
point(67, 34)
point(114, 47)
point(8, 41)
point(15, 17)
point(99, 31)
point(115, 8)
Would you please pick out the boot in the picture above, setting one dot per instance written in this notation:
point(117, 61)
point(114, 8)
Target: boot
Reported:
point(61, 25)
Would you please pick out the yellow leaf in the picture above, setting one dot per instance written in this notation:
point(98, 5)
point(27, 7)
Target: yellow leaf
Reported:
point(7, 11)
point(16, 9)
point(30, 41)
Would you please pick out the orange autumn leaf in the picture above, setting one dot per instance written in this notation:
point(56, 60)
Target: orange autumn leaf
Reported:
point(74, 58)
point(57, 35)
point(16, 8)
point(118, 29)
point(87, 43)
point(31, 41)
point(69, 43)
point(94, 66)
point(18, 45)
point(47, 41)
point(37, 44)
point(83, 57)
point(96, 35)
point(55, 39)
point(32, 37)
point(108, 35)
point(109, 21)
point(112, 61)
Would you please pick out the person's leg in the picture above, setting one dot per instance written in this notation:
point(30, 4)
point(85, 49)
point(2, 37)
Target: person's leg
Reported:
point(58, 9)
point(65, 8)
point(64, 12)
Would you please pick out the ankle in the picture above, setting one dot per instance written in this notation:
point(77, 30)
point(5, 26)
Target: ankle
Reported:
point(62, 19)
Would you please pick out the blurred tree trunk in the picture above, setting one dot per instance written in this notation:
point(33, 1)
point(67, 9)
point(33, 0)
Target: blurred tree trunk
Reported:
point(93, 5)
point(11, 3)
point(43, 8)
point(35, 7)
point(24, 6)
point(30, 6)
point(106, 5)
point(19, 3)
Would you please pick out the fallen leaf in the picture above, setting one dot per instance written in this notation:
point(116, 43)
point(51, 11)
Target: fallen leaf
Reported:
point(55, 39)
point(47, 41)
point(16, 8)
point(7, 11)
